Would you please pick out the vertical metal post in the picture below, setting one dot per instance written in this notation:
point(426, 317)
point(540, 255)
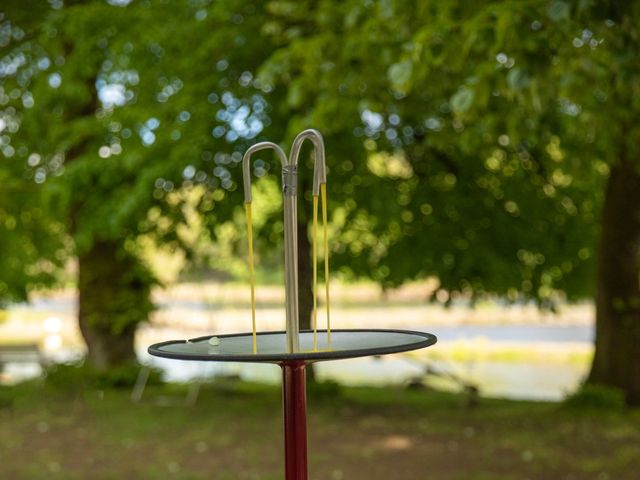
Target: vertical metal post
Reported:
point(289, 191)
point(294, 406)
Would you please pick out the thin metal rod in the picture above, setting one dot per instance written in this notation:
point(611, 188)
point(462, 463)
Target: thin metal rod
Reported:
point(294, 406)
point(323, 192)
point(252, 276)
point(314, 262)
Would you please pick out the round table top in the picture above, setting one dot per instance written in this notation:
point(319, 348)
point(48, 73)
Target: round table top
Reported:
point(272, 346)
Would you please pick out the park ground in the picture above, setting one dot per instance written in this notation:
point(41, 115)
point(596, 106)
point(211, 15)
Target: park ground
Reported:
point(234, 432)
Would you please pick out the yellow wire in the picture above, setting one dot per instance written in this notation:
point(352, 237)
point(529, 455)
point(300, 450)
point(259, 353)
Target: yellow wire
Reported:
point(247, 208)
point(323, 192)
point(315, 273)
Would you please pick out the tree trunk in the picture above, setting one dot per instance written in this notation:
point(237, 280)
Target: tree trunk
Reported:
point(114, 296)
point(305, 277)
point(305, 285)
point(617, 356)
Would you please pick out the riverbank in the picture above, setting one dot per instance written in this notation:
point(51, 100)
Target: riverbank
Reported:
point(512, 351)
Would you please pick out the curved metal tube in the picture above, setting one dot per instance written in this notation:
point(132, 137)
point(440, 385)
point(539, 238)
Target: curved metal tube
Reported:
point(319, 178)
point(319, 163)
point(290, 236)
point(289, 189)
point(246, 170)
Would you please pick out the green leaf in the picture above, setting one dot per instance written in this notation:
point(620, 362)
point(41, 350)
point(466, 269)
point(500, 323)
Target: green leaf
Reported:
point(399, 75)
point(559, 11)
point(518, 79)
point(295, 96)
point(462, 100)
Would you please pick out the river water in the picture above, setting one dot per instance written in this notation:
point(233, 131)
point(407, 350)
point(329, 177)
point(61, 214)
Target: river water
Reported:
point(533, 378)
point(533, 359)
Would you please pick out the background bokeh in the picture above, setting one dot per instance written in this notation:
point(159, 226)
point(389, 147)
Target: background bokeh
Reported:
point(483, 185)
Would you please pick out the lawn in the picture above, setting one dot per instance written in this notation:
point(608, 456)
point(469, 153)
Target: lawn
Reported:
point(234, 432)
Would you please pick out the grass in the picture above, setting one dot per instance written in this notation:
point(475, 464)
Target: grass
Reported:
point(516, 352)
point(234, 432)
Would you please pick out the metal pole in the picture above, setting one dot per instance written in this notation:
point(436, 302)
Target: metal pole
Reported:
point(294, 406)
point(289, 191)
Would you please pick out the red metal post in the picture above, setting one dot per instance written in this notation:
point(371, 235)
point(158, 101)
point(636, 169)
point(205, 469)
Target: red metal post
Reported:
point(294, 403)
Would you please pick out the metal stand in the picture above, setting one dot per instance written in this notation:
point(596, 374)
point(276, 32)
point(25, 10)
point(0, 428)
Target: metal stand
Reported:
point(290, 192)
point(284, 348)
point(294, 406)
point(272, 349)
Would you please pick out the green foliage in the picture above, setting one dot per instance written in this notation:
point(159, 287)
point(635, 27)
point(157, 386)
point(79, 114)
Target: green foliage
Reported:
point(592, 396)
point(498, 114)
point(81, 376)
point(7, 397)
point(117, 121)
point(26, 236)
point(467, 143)
point(327, 389)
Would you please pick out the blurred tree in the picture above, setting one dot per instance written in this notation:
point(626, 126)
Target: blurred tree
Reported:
point(31, 248)
point(30, 243)
point(468, 142)
point(494, 126)
point(124, 114)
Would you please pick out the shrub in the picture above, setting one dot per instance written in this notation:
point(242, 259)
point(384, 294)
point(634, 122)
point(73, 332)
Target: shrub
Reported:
point(597, 397)
point(79, 375)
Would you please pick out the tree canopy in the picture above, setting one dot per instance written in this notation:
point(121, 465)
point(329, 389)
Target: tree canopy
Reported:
point(507, 134)
point(480, 120)
point(115, 120)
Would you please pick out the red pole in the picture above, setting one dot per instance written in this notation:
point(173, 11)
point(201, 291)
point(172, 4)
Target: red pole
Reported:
point(294, 403)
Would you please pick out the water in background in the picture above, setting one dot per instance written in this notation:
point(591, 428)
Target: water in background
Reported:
point(516, 353)
point(532, 378)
